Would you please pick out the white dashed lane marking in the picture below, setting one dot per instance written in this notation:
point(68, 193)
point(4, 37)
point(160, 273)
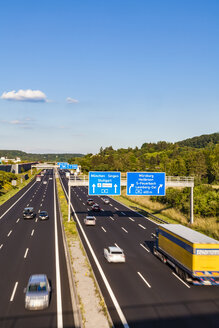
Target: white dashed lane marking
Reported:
point(111, 218)
point(141, 226)
point(124, 230)
point(144, 279)
point(9, 233)
point(32, 232)
point(131, 219)
point(103, 229)
point(17, 220)
point(25, 255)
point(1, 246)
point(14, 291)
point(145, 248)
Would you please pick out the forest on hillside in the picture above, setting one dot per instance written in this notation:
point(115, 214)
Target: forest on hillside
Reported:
point(197, 157)
point(176, 159)
point(29, 157)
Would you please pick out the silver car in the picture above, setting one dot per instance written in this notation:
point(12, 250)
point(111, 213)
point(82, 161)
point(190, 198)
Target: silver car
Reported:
point(105, 200)
point(90, 220)
point(37, 293)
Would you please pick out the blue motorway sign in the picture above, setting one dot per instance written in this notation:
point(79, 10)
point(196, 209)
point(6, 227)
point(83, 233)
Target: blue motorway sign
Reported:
point(104, 183)
point(66, 166)
point(145, 184)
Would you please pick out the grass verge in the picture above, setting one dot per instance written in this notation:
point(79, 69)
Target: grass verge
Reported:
point(71, 235)
point(12, 190)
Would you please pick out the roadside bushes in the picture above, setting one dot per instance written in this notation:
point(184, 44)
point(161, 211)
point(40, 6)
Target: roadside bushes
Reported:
point(6, 177)
point(206, 200)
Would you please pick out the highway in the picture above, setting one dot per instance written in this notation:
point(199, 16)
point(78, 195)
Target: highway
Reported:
point(143, 292)
point(28, 247)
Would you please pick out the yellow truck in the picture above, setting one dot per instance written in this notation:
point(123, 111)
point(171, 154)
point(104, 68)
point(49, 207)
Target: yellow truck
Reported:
point(194, 256)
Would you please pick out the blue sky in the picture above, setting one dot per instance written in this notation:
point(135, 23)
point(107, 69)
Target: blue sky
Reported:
point(107, 73)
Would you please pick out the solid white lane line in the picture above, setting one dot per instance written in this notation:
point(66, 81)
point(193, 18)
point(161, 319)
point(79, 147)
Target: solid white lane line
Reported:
point(180, 279)
point(17, 220)
point(131, 219)
point(9, 233)
point(58, 276)
point(123, 213)
point(113, 298)
point(25, 255)
point(144, 279)
point(103, 229)
point(141, 226)
point(14, 291)
point(116, 208)
point(145, 248)
point(1, 246)
point(124, 230)
point(111, 218)
point(32, 232)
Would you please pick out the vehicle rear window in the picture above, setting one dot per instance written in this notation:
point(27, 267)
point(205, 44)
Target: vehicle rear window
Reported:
point(37, 287)
point(117, 252)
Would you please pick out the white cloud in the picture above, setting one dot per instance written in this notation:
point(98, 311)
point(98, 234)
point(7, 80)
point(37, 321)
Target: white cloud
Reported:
point(70, 100)
point(16, 122)
point(25, 95)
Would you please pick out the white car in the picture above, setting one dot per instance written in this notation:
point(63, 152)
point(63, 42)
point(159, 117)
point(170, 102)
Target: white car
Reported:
point(90, 220)
point(105, 200)
point(114, 254)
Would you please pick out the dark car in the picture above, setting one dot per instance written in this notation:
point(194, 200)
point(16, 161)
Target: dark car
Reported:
point(90, 201)
point(43, 215)
point(96, 208)
point(28, 213)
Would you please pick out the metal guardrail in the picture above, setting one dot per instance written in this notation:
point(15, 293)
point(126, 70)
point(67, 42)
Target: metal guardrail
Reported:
point(153, 217)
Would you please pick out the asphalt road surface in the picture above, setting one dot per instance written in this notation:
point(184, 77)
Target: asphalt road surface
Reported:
point(143, 292)
point(29, 247)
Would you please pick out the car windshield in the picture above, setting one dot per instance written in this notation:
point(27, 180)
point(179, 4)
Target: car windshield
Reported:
point(43, 213)
point(116, 252)
point(39, 287)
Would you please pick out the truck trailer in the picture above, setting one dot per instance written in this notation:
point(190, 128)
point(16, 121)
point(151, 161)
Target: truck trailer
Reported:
point(193, 255)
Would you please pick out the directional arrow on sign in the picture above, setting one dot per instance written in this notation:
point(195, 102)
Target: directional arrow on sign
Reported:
point(115, 185)
point(158, 190)
point(93, 188)
point(132, 185)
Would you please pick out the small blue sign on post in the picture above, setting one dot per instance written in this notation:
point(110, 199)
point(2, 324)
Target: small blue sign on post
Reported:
point(145, 184)
point(104, 183)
